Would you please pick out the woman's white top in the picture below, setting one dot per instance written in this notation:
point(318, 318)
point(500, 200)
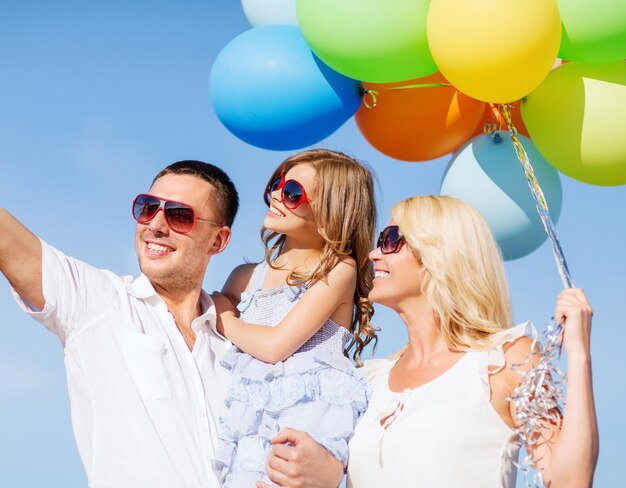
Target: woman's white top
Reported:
point(444, 433)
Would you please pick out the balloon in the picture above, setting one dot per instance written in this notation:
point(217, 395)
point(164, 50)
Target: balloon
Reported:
point(487, 174)
point(270, 12)
point(493, 119)
point(380, 41)
point(577, 118)
point(270, 90)
point(494, 50)
point(593, 31)
point(418, 124)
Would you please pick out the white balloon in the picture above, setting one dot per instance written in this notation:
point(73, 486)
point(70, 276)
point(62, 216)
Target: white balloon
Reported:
point(270, 12)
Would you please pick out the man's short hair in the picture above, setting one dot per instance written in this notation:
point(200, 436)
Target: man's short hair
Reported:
point(226, 198)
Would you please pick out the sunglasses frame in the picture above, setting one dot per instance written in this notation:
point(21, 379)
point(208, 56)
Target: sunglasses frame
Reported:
point(162, 203)
point(281, 186)
point(384, 234)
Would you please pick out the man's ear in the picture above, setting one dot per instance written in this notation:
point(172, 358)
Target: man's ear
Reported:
point(221, 240)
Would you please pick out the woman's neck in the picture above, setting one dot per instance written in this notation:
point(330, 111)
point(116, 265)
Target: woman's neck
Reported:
point(425, 337)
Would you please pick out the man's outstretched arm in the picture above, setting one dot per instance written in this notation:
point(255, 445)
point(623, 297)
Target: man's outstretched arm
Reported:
point(20, 259)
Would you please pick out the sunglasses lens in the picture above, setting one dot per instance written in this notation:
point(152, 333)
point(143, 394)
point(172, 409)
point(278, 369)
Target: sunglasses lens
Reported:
point(179, 217)
point(389, 239)
point(144, 208)
point(271, 188)
point(292, 194)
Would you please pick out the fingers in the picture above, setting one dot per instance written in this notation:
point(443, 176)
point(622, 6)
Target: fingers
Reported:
point(279, 470)
point(574, 295)
point(283, 451)
point(290, 435)
point(575, 313)
point(571, 302)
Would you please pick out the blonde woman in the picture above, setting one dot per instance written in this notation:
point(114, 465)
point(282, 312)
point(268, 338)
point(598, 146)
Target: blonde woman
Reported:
point(300, 308)
point(440, 414)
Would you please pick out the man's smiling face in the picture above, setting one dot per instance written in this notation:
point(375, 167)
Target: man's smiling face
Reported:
point(171, 260)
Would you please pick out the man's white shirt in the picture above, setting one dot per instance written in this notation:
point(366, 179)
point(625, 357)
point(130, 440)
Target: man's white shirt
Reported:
point(144, 407)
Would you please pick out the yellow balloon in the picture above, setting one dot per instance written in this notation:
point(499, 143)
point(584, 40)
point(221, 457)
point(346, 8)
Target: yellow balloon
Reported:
point(494, 50)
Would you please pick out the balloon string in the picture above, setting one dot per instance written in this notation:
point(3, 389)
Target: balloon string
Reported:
point(540, 201)
point(539, 396)
point(419, 85)
point(373, 94)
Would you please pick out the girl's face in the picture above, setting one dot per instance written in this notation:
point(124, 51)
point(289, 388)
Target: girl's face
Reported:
point(397, 276)
point(299, 222)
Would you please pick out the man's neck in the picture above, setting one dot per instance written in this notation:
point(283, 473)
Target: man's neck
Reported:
point(185, 307)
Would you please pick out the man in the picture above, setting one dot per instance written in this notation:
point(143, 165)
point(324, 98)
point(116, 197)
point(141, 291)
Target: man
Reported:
point(142, 356)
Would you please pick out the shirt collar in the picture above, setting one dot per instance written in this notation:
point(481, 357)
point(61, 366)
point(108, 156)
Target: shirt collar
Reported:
point(207, 313)
point(142, 289)
point(139, 287)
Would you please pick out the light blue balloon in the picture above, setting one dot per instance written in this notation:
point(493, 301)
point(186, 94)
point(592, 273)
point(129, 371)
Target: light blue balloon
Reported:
point(270, 12)
point(487, 174)
point(271, 91)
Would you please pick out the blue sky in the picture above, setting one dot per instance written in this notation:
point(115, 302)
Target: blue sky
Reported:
point(96, 97)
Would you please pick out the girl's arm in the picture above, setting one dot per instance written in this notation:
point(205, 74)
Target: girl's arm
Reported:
point(568, 458)
point(237, 283)
point(273, 344)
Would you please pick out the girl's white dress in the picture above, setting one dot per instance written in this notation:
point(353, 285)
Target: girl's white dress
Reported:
point(316, 390)
point(442, 434)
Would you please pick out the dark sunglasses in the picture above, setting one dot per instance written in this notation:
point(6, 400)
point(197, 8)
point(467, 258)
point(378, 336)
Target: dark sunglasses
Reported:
point(179, 216)
point(292, 193)
point(390, 240)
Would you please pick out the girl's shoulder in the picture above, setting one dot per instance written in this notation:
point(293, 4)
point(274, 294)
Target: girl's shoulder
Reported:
point(344, 269)
point(238, 280)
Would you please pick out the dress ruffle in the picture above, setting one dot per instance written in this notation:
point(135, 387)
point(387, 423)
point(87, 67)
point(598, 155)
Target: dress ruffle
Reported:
point(303, 376)
point(251, 296)
point(264, 398)
point(494, 360)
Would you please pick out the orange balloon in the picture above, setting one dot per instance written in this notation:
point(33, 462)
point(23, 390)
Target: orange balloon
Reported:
point(493, 119)
point(418, 124)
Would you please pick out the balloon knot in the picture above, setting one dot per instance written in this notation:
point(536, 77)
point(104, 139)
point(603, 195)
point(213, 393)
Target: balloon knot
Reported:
point(369, 97)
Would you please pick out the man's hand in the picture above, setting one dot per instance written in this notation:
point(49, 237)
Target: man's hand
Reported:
point(301, 463)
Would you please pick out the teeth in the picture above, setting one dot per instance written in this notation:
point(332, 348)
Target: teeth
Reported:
point(380, 274)
point(275, 212)
point(156, 247)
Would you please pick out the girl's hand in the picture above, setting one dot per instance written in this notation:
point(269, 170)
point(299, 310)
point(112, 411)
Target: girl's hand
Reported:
point(225, 310)
point(574, 311)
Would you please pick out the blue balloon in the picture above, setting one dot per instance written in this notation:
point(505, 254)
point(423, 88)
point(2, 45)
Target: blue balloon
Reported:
point(487, 174)
point(271, 91)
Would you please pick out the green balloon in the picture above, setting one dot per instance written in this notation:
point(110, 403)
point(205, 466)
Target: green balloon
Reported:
point(576, 118)
point(379, 41)
point(593, 31)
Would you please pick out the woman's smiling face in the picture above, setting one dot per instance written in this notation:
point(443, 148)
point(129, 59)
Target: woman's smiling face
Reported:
point(397, 275)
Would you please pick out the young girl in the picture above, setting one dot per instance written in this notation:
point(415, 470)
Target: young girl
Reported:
point(301, 308)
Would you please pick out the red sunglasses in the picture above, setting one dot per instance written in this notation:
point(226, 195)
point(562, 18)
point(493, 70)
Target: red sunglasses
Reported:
point(390, 240)
point(292, 193)
point(180, 217)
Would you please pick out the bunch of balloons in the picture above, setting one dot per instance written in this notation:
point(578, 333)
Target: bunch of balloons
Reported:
point(424, 78)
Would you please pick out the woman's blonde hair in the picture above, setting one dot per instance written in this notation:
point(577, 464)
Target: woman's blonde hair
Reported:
point(345, 215)
point(463, 274)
